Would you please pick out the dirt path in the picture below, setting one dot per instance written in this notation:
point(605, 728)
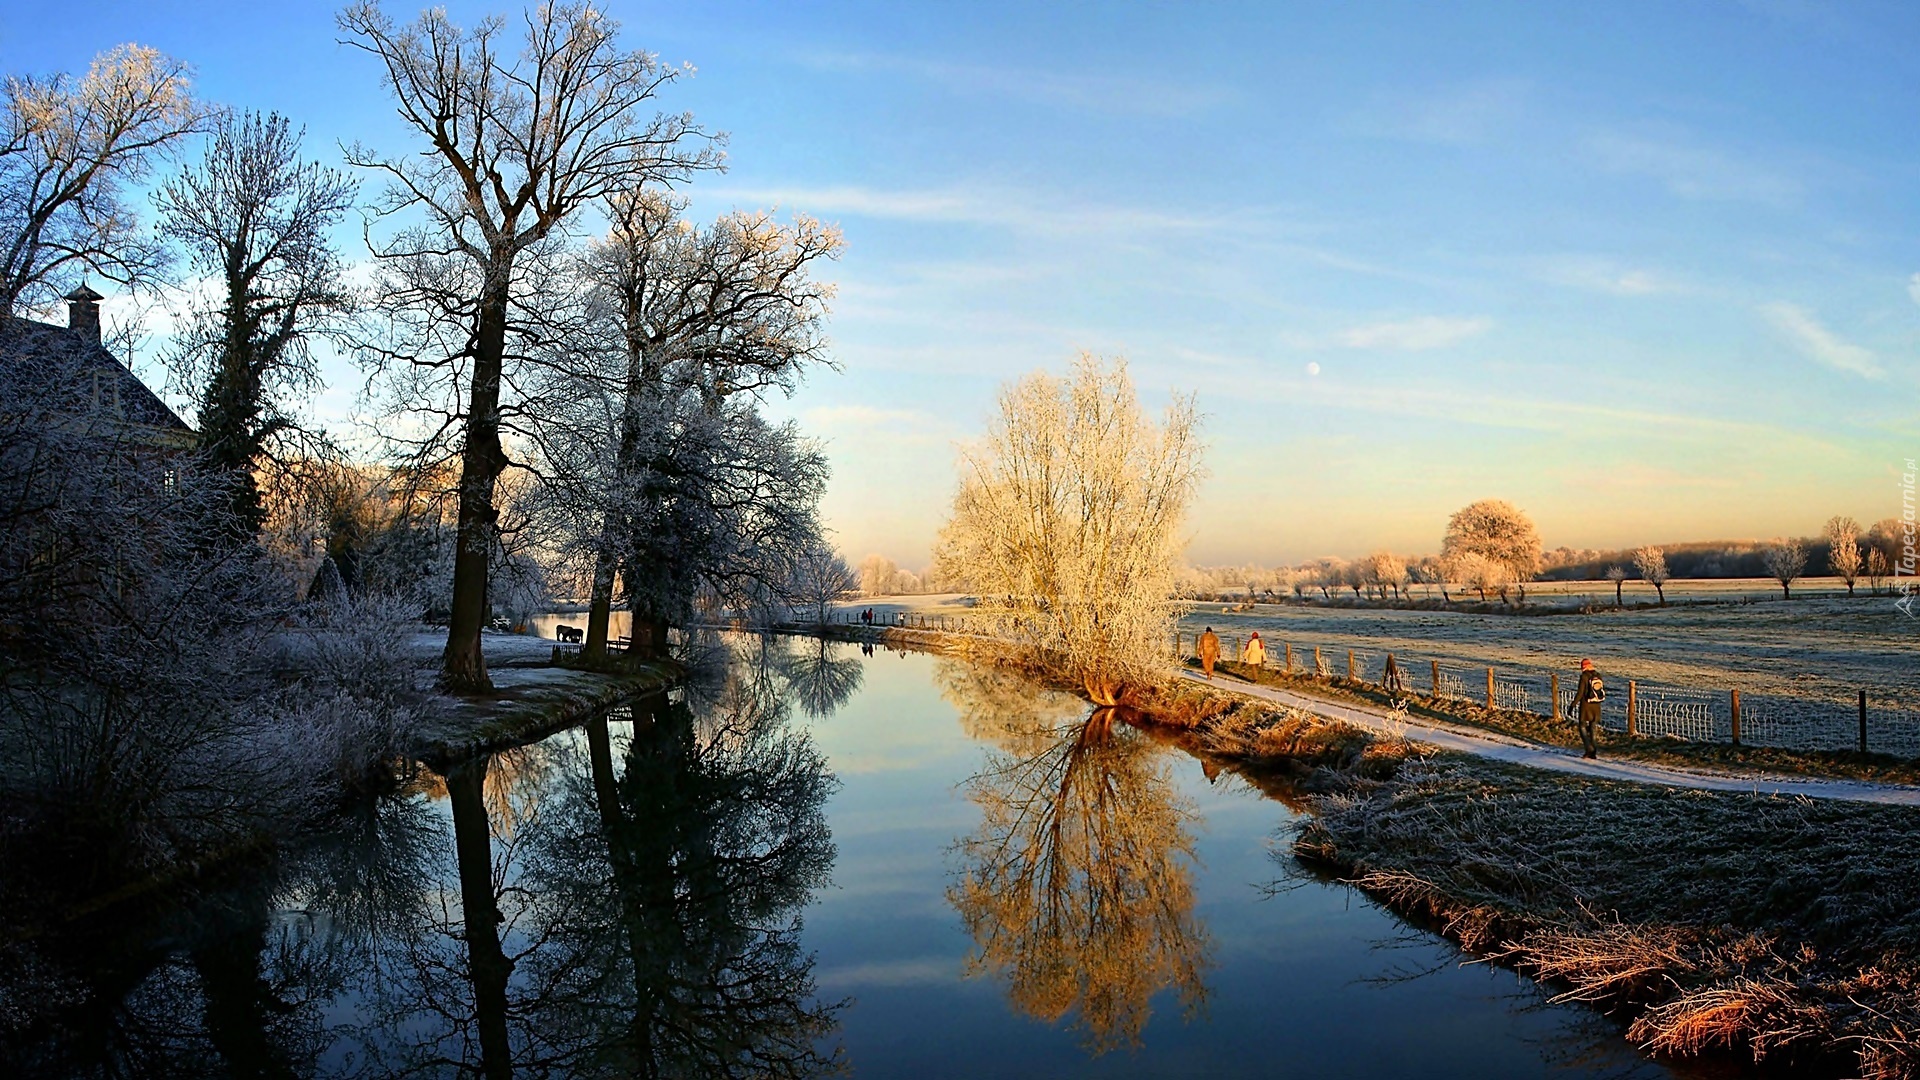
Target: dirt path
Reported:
point(1533, 755)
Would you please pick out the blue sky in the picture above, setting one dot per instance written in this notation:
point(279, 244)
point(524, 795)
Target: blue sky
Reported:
point(1647, 271)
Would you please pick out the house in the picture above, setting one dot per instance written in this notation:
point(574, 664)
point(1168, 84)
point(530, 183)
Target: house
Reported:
point(66, 371)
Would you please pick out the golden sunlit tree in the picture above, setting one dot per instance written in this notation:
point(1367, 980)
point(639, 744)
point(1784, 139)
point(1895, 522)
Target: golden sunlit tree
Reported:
point(1068, 525)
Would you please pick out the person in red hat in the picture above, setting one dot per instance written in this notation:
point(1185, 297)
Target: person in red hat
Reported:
point(1256, 653)
point(1587, 697)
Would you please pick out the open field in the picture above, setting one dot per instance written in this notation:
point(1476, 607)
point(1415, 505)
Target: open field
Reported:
point(1799, 665)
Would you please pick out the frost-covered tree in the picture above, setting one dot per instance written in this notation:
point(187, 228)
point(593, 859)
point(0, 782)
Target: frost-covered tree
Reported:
point(1385, 570)
point(878, 575)
point(1617, 575)
point(1479, 573)
point(1877, 569)
point(690, 328)
point(1327, 574)
point(1651, 563)
point(1843, 549)
point(253, 218)
point(1785, 559)
point(1068, 524)
point(154, 702)
point(518, 139)
point(69, 149)
point(1499, 532)
point(821, 579)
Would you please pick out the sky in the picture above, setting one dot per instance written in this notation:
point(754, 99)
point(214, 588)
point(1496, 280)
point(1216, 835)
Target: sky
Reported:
point(1650, 272)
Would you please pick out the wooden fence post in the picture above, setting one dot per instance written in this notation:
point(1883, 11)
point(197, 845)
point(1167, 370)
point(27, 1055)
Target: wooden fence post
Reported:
point(1553, 692)
point(1287, 647)
point(1489, 689)
point(1632, 712)
point(1736, 717)
point(1349, 665)
point(1316, 661)
point(1436, 677)
point(1863, 721)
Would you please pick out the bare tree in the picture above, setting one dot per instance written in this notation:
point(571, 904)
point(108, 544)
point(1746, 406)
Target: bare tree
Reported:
point(1785, 558)
point(1327, 574)
point(1068, 521)
point(821, 579)
point(254, 218)
point(1843, 549)
point(1651, 562)
point(68, 150)
point(1499, 532)
point(516, 146)
point(1617, 575)
point(703, 319)
point(1877, 569)
point(1895, 539)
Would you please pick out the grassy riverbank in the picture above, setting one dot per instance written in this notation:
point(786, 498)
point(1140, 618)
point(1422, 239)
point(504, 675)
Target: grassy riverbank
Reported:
point(1783, 929)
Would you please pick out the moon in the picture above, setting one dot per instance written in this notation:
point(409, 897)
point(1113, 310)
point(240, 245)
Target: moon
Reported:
point(1313, 368)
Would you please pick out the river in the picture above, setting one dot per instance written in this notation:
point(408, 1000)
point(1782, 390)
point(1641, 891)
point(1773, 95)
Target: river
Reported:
point(809, 857)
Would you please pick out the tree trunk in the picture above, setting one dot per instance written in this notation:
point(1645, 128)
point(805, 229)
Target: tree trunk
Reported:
point(480, 918)
point(463, 666)
point(600, 604)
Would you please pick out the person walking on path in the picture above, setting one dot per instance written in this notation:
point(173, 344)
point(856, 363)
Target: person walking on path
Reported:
point(1209, 651)
point(1586, 701)
point(1256, 654)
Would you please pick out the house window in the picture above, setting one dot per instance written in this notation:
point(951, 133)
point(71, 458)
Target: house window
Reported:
point(170, 481)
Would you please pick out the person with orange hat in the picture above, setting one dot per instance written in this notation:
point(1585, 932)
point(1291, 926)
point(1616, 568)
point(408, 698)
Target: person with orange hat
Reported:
point(1587, 697)
point(1256, 652)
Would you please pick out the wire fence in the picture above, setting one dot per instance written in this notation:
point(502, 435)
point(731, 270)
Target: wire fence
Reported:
point(1879, 722)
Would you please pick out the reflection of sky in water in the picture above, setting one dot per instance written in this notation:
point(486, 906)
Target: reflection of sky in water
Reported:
point(1310, 981)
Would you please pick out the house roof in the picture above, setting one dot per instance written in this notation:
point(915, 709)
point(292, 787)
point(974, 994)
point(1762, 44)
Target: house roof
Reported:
point(36, 357)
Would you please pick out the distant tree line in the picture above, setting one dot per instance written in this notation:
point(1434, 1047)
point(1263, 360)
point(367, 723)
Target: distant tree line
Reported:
point(1491, 550)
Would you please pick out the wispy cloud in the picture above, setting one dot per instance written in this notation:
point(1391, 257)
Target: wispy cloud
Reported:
point(1913, 288)
point(1601, 275)
point(1819, 344)
point(1411, 335)
point(1136, 94)
point(997, 207)
point(1456, 116)
point(1691, 169)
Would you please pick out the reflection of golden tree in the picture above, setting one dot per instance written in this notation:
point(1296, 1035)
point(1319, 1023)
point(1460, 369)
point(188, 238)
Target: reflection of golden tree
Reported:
point(1001, 706)
point(1077, 884)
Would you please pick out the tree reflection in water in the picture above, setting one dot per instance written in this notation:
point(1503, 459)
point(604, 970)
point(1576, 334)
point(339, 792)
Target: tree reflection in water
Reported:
point(650, 906)
point(819, 677)
point(1077, 887)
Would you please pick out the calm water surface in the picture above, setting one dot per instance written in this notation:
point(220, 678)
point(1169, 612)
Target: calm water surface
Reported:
point(894, 863)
